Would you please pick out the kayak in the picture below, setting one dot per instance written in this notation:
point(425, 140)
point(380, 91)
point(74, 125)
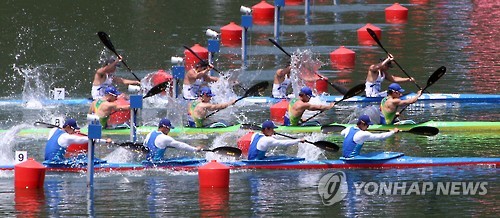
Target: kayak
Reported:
point(375, 160)
point(479, 98)
point(453, 126)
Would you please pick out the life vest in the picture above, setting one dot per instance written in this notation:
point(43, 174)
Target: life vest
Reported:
point(53, 150)
point(349, 147)
point(155, 153)
point(253, 152)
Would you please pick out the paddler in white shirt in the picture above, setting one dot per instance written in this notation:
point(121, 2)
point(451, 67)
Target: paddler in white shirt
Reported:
point(195, 78)
point(157, 142)
point(261, 142)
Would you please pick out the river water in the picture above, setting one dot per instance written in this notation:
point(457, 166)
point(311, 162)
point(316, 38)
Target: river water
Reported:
point(53, 44)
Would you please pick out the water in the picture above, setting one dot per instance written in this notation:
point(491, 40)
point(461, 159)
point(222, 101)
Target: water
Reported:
point(55, 45)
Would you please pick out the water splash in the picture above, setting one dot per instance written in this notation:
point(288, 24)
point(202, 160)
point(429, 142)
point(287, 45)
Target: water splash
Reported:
point(8, 143)
point(305, 66)
point(309, 151)
point(120, 155)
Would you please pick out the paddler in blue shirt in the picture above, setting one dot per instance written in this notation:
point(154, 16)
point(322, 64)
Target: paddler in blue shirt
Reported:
point(297, 106)
point(261, 142)
point(197, 110)
point(60, 139)
point(389, 104)
point(105, 106)
point(157, 141)
point(355, 137)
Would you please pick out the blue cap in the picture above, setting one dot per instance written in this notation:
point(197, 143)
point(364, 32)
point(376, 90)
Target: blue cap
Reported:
point(365, 119)
point(268, 125)
point(395, 87)
point(112, 91)
point(165, 123)
point(206, 91)
point(72, 123)
point(307, 91)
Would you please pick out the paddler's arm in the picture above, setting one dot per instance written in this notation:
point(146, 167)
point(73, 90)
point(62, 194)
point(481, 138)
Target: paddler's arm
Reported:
point(411, 100)
point(220, 106)
point(162, 141)
point(320, 107)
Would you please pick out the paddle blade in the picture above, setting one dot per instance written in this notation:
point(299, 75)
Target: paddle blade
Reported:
point(106, 41)
point(327, 146)
point(256, 89)
point(356, 90)
point(424, 130)
point(156, 89)
point(332, 128)
point(250, 126)
point(228, 151)
point(436, 76)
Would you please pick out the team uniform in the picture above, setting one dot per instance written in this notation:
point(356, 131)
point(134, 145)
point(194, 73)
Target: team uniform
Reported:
point(261, 143)
point(355, 138)
point(279, 90)
point(157, 142)
point(372, 89)
point(98, 91)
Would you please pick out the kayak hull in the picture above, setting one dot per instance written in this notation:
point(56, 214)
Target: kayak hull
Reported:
point(398, 162)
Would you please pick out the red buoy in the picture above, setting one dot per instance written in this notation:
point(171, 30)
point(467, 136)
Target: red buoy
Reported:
point(213, 175)
point(294, 2)
point(29, 202)
point(396, 14)
point(342, 58)
point(231, 35)
point(364, 37)
point(278, 111)
point(244, 143)
point(322, 85)
point(119, 117)
point(162, 76)
point(29, 174)
point(263, 13)
point(190, 59)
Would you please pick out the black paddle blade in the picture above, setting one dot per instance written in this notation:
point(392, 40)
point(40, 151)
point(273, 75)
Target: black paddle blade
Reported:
point(134, 146)
point(106, 41)
point(424, 130)
point(356, 90)
point(251, 126)
point(256, 89)
point(228, 151)
point(436, 76)
point(327, 146)
point(156, 89)
point(332, 128)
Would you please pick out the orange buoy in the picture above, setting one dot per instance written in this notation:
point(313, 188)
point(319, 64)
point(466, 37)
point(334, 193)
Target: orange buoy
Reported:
point(76, 149)
point(190, 59)
point(342, 58)
point(161, 76)
point(396, 14)
point(231, 35)
point(364, 37)
point(213, 175)
point(263, 13)
point(322, 85)
point(119, 117)
point(244, 143)
point(29, 174)
point(294, 2)
point(278, 111)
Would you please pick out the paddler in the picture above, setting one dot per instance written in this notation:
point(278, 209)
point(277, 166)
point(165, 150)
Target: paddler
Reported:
point(355, 137)
point(197, 110)
point(105, 77)
point(59, 140)
point(261, 142)
point(281, 82)
point(389, 104)
point(297, 106)
point(157, 141)
point(107, 105)
point(195, 78)
point(377, 73)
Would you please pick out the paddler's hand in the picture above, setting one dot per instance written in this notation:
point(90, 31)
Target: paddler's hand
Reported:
point(390, 56)
point(198, 149)
point(419, 93)
point(395, 130)
point(109, 141)
point(302, 140)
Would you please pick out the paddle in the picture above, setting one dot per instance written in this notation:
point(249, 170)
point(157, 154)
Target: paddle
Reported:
point(107, 42)
point(228, 151)
point(325, 145)
point(432, 79)
point(419, 130)
point(336, 86)
point(356, 90)
point(374, 36)
point(255, 89)
point(156, 89)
